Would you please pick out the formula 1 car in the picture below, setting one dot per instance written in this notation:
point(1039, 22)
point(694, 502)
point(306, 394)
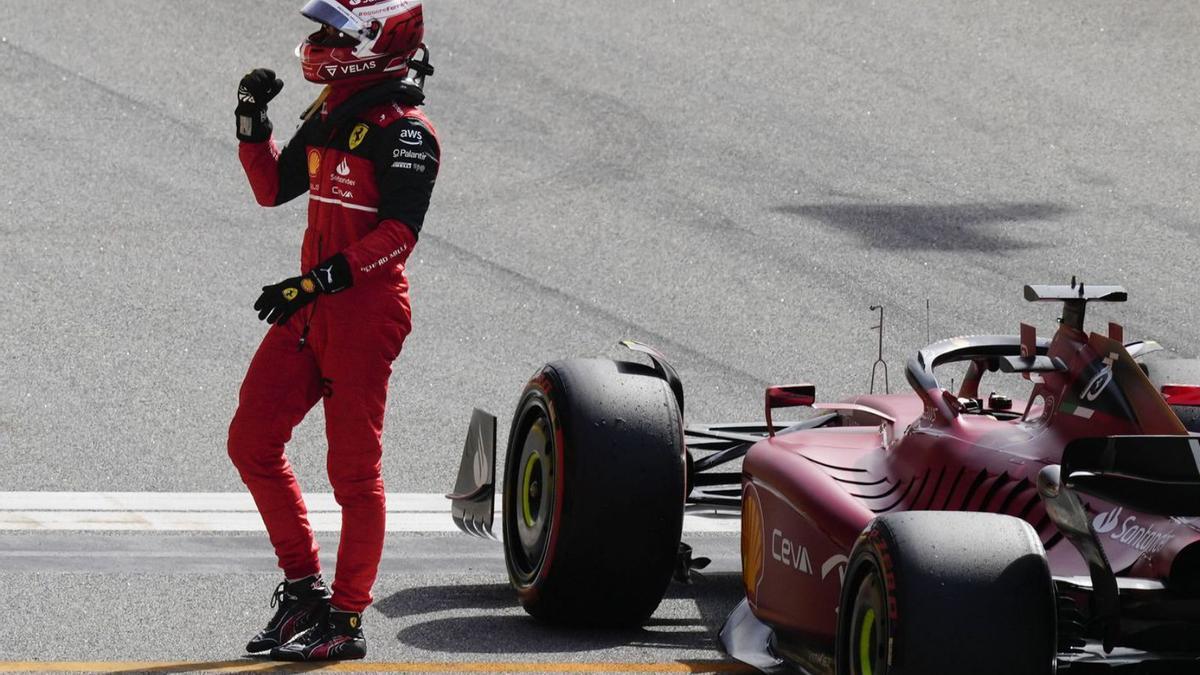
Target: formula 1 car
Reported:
point(931, 532)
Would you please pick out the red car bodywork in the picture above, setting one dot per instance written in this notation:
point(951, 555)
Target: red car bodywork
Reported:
point(809, 493)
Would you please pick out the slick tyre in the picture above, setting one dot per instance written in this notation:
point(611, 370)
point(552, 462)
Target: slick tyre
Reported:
point(593, 493)
point(946, 592)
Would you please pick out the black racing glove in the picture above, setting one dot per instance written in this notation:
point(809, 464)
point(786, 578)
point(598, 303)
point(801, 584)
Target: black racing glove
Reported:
point(256, 89)
point(280, 301)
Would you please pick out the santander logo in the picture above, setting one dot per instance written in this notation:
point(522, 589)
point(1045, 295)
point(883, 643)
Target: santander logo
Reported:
point(1107, 522)
point(343, 169)
point(1144, 538)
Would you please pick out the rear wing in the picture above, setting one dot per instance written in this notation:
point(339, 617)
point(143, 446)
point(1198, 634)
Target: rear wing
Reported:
point(1048, 293)
point(1075, 298)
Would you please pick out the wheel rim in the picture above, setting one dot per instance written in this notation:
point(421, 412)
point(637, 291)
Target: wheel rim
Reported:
point(865, 634)
point(868, 629)
point(531, 489)
point(529, 514)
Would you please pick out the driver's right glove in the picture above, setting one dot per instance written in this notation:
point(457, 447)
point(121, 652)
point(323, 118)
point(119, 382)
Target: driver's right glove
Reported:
point(256, 89)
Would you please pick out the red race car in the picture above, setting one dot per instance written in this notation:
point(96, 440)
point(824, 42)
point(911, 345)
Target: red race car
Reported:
point(931, 532)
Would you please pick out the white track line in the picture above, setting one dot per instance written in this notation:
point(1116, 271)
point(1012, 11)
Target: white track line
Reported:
point(233, 512)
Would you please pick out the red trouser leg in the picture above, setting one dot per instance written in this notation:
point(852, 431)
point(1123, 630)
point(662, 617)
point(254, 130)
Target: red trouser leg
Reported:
point(356, 359)
point(282, 384)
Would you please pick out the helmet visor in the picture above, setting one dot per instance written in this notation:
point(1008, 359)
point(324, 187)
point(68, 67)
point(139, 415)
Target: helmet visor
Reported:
point(328, 36)
point(331, 13)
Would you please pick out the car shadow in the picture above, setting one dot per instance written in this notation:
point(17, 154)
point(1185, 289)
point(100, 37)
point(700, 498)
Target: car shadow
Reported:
point(501, 628)
point(978, 226)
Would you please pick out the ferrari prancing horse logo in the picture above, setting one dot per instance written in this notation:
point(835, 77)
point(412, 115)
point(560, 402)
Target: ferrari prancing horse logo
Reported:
point(357, 135)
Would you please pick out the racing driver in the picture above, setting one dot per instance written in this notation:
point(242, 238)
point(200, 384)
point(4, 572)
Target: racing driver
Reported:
point(368, 157)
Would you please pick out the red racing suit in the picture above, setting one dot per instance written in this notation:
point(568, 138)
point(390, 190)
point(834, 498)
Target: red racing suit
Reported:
point(369, 182)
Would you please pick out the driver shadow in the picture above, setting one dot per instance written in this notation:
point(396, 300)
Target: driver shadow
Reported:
point(501, 626)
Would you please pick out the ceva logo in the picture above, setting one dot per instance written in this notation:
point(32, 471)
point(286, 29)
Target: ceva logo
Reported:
point(1107, 522)
point(790, 553)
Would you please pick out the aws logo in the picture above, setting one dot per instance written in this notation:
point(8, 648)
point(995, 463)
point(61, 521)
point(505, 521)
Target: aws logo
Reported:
point(411, 136)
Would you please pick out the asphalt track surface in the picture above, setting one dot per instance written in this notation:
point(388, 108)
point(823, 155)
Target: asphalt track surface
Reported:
point(735, 183)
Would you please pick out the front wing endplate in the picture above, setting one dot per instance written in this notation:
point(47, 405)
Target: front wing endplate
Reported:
point(472, 504)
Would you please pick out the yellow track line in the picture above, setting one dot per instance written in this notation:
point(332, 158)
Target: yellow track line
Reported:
point(247, 665)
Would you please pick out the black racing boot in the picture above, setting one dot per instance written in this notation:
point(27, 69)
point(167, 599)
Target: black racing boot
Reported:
point(301, 604)
point(338, 636)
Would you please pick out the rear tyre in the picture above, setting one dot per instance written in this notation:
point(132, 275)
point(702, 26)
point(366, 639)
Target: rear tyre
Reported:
point(946, 592)
point(593, 493)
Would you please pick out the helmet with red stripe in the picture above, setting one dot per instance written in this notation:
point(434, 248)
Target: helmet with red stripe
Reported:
point(360, 39)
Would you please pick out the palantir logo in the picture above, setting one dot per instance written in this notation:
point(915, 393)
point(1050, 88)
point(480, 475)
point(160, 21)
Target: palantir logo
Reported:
point(1107, 522)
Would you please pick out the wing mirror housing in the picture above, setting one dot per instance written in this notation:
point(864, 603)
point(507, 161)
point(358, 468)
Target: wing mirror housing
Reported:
point(1181, 394)
point(788, 396)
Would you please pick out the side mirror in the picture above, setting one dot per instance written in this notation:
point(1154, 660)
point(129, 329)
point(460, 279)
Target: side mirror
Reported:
point(1181, 394)
point(788, 396)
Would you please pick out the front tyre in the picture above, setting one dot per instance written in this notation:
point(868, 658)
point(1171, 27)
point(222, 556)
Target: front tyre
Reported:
point(593, 493)
point(947, 592)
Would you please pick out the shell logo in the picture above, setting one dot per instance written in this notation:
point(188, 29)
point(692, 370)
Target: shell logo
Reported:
point(752, 542)
point(314, 162)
